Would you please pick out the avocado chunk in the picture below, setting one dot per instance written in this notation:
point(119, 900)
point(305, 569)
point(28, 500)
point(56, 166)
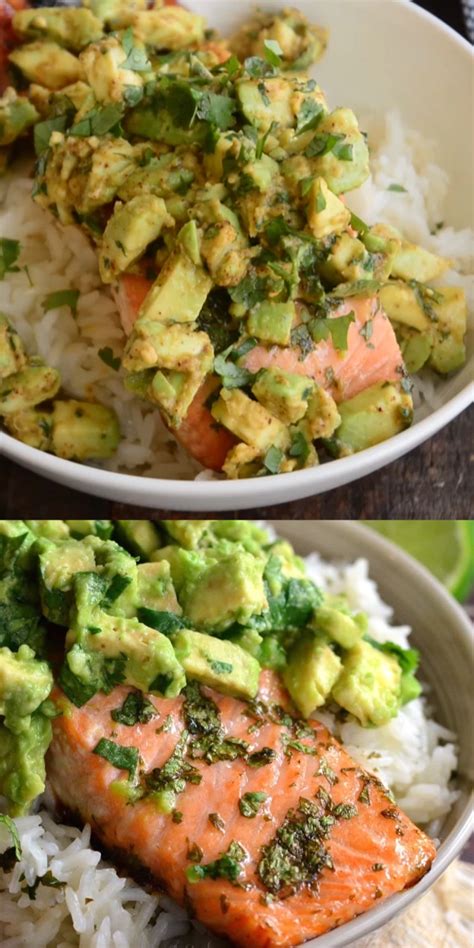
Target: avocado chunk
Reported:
point(377, 413)
point(104, 71)
point(225, 591)
point(25, 683)
point(58, 566)
point(178, 294)
point(217, 663)
point(187, 533)
point(47, 64)
point(369, 686)
point(402, 305)
point(345, 165)
point(84, 430)
point(114, 586)
point(274, 106)
point(70, 27)
point(115, 13)
point(301, 44)
point(348, 261)
point(31, 426)
point(249, 420)
point(54, 530)
point(326, 213)
point(412, 262)
point(283, 393)
point(12, 353)
point(343, 629)
point(170, 28)
point(449, 351)
point(129, 230)
point(94, 528)
point(322, 417)
point(271, 322)
point(28, 387)
point(156, 590)
point(311, 672)
point(140, 537)
point(17, 115)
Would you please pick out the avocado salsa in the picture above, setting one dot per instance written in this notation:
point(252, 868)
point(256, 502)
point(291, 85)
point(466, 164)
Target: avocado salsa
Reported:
point(169, 607)
point(270, 326)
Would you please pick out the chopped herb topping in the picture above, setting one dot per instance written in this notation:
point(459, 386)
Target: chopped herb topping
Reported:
point(61, 298)
point(273, 52)
point(326, 771)
point(297, 853)
point(217, 821)
point(227, 866)
point(273, 459)
point(136, 60)
point(125, 758)
point(9, 253)
point(398, 188)
point(136, 709)
point(177, 816)
point(250, 803)
point(194, 853)
point(378, 867)
point(220, 668)
point(98, 122)
point(107, 356)
point(13, 854)
point(262, 757)
point(175, 773)
point(344, 811)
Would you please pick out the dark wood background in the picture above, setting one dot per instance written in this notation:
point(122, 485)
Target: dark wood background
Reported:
point(431, 482)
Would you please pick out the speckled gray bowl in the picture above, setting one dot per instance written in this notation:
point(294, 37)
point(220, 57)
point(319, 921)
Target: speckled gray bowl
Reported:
point(444, 636)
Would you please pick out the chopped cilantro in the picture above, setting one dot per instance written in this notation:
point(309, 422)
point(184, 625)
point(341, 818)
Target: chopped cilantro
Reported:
point(43, 131)
point(175, 772)
point(264, 94)
point(220, 668)
point(262, 757)
point(305, 185)
point(108, 357)
point(227, 866)
point(366, 330)
point(358, 288)
point(301, 337)
point(216, 109)
point(309, 116)
point(250, 291)
point(398, 188)
point(125, 758)
point(273, 52)
point(272, 460)
point(256, 67)
point(344, 811)
point(217, 821)
point(250, 803)
point(297, 853)
point(13, 853)
point(165, 622)
point(136, 60)
point(337, 327)
point(9, 253)
point(299, 446)
point(99, 121)
point(136, 709)
point(61, 298)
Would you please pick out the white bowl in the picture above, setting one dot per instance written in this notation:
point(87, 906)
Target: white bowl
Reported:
point(444, 636)
point(382, 54)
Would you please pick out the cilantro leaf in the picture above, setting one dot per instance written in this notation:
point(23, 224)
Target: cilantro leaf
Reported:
point(125, 758)
point(61, 298)
point(301, 337)
point(250, 803)
point(15, 850)
point(43, 131)
point(273, 52)
point(233, 376)
point(398, 188)
point(215, 319)
point(107, 356)
point(136, 60)
point(227, 866)
point(337, 327)
point(257, 68)
point(299, 446)
point(250, 291)
point(216, 109)
point(99, 121)
point(326, 142)
point(165, 622)
point(136, 709)
point(272, 460)
point(9, 253)
point(309, 116)
point(358, 288)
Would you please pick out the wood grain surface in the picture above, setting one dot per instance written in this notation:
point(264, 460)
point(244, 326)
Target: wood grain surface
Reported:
point(434, 482)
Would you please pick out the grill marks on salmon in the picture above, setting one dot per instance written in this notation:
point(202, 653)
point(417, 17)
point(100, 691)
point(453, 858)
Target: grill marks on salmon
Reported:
point(370, 854)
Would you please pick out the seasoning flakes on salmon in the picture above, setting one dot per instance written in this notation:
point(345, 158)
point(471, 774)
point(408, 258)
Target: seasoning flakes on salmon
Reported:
point(261, 824)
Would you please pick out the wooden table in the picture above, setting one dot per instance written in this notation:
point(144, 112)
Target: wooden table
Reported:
point(434, 483)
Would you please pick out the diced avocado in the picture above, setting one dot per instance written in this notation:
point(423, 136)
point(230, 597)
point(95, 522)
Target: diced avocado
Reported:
point(283, 393)
point(262, 171)
point(70, 27)
point(188, 239)
point(242, 461)
point(114, 585)
point(187, 533)
point(369, 686)
point(272, 322)
point(55, 530)
point(311, 672)
point(163, 174)
point(326, 213)
point(376, 414)
point(447, 354)
point(94, 528)
point(322, 417)
point(169, 28)
point(115, 13)
point(47, 64)
point(185, 565)
point(341, 627)
point(347, 261)
point(412, 262)
point(301, 43)
point(224, 592)
point(450, 307)
point(346, 165)
point(25, 683)
point(27, 388)
point(155, 588)
point(129, 230)
point(139, 536)
point(249, 420)
point(31, 426)
point(402, 305)
point(58, 566)
point(17, 115)
point(266, 101)
point(84, 430)
point(149, 662)
point(415, 347)
point(149, 121)
point(12, 353)
point(222, 249)
point(217, 663)
point(104, 71)
point(178, 294)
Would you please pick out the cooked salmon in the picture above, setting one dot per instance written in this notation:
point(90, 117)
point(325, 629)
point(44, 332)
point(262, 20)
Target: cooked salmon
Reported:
point(204, 439)
point(372, 355)
point(278, 837)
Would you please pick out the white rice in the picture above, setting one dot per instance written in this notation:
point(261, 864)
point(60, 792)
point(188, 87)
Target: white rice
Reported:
point(59, 258)
point(413, 755)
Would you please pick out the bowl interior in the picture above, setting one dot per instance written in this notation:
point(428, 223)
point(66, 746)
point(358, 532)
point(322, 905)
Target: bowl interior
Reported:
point(443, 635)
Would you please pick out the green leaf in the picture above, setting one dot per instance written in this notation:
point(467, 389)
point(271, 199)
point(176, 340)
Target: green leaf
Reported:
point(358, 288)
point(125, 758)
point(359, 225)
point(299, 446)
point(78, 691)
point(305, 185)
point(309, 116)
point(217, 109)
point(16, 845)
point(301, 337)
point(398, 188)
point(107, 356)
point(136, 60)
point(273, 52)
point(320, 202)
point(43, 131)
point(250, 803)
point(115, 589)
point(343, 150)
point(227, 866)
point(61, 298)
point(339, 329)
point(98, 122)
point(9, 253)
point(132, 95)
point(326, 142)
point(257, 68)
point(165, 622)
point(231, 65)
point(233, 376)
point(272, 460)
point(136, 709)
point(220, 668)
point(250, 291)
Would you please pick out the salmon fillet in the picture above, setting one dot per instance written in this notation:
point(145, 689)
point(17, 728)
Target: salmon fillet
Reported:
point(342, 844)
point(371, 356)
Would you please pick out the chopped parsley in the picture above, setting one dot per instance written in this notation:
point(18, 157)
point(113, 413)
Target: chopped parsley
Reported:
point(9, 253)
point(297, 853)
point(136, 709)
point(61, 298)
point(227, 866)
point(175, 773)
point(108, 357)
point(125, 758)
point(250, 803)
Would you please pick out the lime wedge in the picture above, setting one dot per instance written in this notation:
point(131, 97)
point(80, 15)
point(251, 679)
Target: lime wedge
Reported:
point(446, 547)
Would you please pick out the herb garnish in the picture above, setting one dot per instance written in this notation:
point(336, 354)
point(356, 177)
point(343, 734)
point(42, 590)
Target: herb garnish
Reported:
point(250, 803)
point(273, 459)
point(9, 253)
point(217, 821)
point(13, 854)
point(262, 757)
point(125, 758)
point(227, 866)
point(136, 59)
point(61, 298)
point(136, 709)
point(337, 327)
point(98, 122)
point(398, 188)
point(297, 853)
point(108, 357)
point(175, 772)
